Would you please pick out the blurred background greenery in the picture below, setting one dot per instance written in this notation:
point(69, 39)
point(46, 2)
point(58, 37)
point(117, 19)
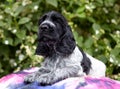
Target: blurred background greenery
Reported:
point(95, 24)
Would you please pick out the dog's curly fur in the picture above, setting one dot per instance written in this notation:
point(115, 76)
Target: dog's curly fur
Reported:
point(63, 59)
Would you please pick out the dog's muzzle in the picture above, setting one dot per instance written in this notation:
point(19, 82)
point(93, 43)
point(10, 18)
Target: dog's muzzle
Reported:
point(46, 32)
point(46, 25)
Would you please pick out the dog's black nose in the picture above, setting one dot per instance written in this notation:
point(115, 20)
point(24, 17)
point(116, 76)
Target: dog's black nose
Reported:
point(44, 27)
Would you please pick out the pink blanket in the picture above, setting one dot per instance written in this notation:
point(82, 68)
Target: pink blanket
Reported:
point(15, 81)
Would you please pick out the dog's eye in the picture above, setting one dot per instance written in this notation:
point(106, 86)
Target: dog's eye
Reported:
point(56, 18)
point(44, 17)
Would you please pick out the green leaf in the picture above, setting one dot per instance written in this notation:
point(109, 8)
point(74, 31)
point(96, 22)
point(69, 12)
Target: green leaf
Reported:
point(35, 29)
point(21, 34)
point(82, 15)
point(96, 26)
point(10, 0)
point(109, 2)
point(24, 20)
point(80, 10)
point(91, 19)
point(18, 10)
point(17, 41)
point(8, 10)
point(80, 41)
point(8, 41)
point(4, 50)
point(88, 43)
point(28, 26)
point(100, 1)
point(102, 58)
point(115, 51)
point(52, 2)
point(2, 24)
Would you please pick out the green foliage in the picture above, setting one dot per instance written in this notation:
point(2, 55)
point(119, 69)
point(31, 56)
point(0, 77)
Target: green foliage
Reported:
point(95, 24)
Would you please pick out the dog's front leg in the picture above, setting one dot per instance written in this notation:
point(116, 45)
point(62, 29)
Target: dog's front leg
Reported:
point(59, 74)
point(69, 71)
point(33, 77)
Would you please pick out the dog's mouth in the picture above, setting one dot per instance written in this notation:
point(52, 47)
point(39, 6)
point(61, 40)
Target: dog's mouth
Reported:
point(47, 39)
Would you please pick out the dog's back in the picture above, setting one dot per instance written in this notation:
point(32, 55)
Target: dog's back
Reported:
point(98, 68)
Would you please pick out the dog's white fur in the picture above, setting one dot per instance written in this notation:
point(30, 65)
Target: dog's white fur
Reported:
point(98, 68)
point(49, 22)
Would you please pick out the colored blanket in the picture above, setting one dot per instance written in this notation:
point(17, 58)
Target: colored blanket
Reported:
point(15, 81)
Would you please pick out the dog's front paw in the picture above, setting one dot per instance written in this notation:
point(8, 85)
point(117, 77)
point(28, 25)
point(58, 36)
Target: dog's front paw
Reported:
point(29, 78)
point(46, 79)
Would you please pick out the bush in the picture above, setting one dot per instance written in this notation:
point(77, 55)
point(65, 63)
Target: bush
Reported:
point(95, 24)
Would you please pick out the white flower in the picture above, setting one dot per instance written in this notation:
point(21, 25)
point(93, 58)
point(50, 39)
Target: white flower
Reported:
point(23, 3)
point(1, 17)
point(18, 51)
point(15, 64)
point(119, 64)
point(105, 10)
point(97, 31)
point(6, 42)
point(14, 31)
point(9, 28)
point(118, 32)
point(113, 21)
point(111, 59)
point(35, 7)
point(21, 57)
point(96, 50)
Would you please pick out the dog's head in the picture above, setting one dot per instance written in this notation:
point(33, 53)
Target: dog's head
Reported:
point(54, 35)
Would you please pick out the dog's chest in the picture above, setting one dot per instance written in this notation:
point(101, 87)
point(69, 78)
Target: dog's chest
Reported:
point(62, 62)
point(54, 63)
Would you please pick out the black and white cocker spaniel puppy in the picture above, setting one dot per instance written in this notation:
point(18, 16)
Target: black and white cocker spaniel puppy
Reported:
point(63, 59)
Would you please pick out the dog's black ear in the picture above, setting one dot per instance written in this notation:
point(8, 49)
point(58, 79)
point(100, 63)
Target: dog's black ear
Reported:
point(85, 63)
point(67, 44)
